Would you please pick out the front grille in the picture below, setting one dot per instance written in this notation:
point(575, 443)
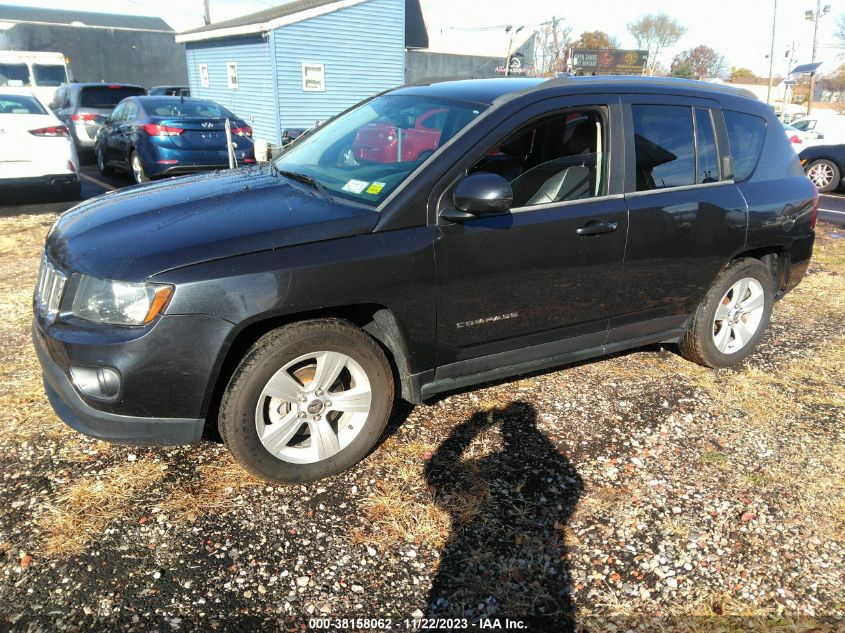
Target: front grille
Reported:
point(48, 290)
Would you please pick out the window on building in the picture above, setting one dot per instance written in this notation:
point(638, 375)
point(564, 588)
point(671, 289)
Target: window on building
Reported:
point(204, 75)
point(705, 140)
point(232, 75)
point(664, 144)
point(746, 133)
point(313, 78)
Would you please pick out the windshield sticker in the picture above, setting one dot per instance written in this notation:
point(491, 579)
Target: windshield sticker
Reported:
point(376, 188)
point(355, 186)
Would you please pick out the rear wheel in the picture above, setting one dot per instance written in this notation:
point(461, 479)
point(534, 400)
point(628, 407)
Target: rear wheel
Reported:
point(733, 316)
point(308, 400)
point(102, 167)
point(824, 174)
point(138, 173)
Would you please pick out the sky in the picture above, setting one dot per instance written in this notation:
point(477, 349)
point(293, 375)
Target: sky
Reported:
point(741, 30)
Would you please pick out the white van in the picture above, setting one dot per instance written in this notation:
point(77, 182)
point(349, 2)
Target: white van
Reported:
point(40, 73)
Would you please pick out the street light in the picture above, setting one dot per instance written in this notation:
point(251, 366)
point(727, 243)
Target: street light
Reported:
point(814, 16)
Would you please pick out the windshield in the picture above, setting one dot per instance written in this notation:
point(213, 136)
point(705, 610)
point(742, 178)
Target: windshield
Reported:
point(14, 75)
point(20, 104)
point(49, 75)
point(106, 96)
point(368, 152)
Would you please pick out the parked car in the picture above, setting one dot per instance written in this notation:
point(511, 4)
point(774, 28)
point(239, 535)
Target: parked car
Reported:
point(824, 165)
point(291, 303)
point(387, 142)
point(35, 150)
point(169, 91)
point(153, 137)
point(795, 136)
point(39, 72)
point(825, 126)
point(84, 106)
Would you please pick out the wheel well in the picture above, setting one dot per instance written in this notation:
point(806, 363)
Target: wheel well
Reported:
point(776, 261)
point(374, 319)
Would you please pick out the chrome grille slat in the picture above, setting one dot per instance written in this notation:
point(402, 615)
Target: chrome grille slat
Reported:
point(49, 290)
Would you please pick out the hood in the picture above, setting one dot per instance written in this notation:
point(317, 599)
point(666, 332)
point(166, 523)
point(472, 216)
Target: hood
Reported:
point(137, 232)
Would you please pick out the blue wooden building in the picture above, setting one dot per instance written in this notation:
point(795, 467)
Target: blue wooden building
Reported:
point(301, 62)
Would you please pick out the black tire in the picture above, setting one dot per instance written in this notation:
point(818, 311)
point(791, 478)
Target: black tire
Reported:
point(828, 179)
point(100, 157)
point(237, 417)
point(698, 344)
point(138, 176)
point(70, 192)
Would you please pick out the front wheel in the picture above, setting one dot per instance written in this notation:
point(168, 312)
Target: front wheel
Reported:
point(138, 173)
point(732, 317)
point(308, 400)
point(824, 174)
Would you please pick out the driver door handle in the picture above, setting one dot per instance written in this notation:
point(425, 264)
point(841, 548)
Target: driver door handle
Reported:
point(594, 227)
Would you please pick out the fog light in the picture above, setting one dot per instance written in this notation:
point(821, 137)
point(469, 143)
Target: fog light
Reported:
point(102, 383)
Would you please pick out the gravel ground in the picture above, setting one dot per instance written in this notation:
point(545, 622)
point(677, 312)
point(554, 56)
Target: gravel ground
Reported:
point(637, 492)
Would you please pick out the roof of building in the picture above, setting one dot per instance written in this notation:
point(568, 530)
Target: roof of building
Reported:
point(755, 81)
point(38, 15)
point(488, 90)
point(296, 11)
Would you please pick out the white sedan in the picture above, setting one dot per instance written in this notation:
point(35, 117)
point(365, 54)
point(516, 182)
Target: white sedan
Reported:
point(35, 149)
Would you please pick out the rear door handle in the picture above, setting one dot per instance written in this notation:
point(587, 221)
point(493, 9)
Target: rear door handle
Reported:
point(596, 228)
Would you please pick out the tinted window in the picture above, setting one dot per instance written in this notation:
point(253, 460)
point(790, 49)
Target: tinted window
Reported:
point(106, 96)
point(556, 159)
point(20, 104)
point(665, 151)
point(14, 75)
point(49, 75)
point(746, 134)
point(184, 108)
point(708, 155)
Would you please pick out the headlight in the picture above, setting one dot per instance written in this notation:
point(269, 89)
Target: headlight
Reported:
point(117, 302)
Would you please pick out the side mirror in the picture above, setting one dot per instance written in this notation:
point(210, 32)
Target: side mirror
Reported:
point(481, 193)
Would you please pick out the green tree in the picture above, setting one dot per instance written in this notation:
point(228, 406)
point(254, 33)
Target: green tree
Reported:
point(595, 39)
point(683, 69)
point(654, 33)
point(742, 73)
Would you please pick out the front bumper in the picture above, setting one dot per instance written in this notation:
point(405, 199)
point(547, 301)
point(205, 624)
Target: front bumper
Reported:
point(122, 429)
point(167, 376)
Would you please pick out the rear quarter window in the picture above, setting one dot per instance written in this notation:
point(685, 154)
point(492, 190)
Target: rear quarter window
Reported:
point(746, 133)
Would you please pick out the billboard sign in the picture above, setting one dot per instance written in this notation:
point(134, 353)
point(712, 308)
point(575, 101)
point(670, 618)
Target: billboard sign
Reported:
point(585, 61)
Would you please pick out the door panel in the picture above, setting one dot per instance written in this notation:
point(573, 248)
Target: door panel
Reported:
point(528, 278)
point(528, 282)
point(680, 237)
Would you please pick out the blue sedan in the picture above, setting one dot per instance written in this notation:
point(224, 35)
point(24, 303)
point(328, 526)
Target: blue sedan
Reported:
point(154, 137)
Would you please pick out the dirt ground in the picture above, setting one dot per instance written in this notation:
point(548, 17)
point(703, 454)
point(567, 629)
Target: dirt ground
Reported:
point(637, 492)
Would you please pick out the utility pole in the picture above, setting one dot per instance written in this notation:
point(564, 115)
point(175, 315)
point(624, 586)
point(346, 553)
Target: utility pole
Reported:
point(509, 30)
point(206, 14)
point(772, 51)
point(810, 15)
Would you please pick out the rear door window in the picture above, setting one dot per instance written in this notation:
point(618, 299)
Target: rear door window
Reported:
point(106, 96)
point(746, 133)
point(664, 145)
point(707, 154)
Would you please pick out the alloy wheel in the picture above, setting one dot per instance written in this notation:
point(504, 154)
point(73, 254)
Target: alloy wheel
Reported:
point(738, 316)
point(821, 175)
point(313, 407)
point(137, 168)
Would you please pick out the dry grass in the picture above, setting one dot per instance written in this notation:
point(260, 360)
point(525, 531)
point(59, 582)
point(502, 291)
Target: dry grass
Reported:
point(214, 490)
point(87, 506)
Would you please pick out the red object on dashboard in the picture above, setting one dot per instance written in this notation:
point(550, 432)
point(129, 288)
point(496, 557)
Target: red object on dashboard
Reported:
point(380, 142)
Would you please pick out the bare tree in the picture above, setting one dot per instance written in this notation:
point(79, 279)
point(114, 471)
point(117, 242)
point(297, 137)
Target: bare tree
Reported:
point(550, 47)
point(654, 33)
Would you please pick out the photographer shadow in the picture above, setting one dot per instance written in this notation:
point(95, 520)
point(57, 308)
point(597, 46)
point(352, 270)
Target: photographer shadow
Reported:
point(506, 556)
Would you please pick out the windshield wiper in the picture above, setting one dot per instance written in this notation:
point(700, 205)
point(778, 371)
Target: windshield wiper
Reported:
point(307, 180)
